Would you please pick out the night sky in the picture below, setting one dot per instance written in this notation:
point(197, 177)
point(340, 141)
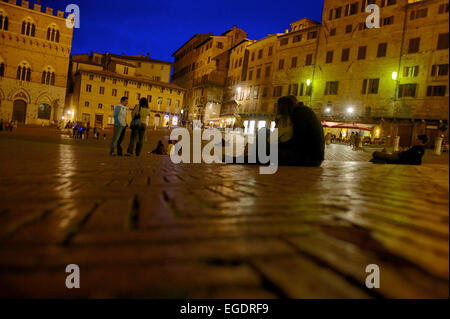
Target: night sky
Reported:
point(160, 27)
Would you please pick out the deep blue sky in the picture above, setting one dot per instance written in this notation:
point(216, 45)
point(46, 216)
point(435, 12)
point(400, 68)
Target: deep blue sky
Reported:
point(160, 27)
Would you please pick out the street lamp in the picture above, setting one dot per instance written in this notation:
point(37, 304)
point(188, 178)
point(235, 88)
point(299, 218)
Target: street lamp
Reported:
point(394, 76)
point(308, 82)
point(328, 110)
point(350, 110)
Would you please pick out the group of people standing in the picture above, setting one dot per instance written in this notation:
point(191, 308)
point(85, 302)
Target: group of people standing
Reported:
point(138, 127)
point(7, 126)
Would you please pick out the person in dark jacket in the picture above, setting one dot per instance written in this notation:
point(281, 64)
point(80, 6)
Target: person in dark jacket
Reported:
point(301, 138)
point(412, 156)
point(160, 149)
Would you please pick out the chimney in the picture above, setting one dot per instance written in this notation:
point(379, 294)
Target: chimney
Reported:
point(148, 54)
point(234, 26)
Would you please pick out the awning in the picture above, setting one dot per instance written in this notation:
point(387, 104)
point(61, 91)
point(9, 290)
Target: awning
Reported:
point(353, 126)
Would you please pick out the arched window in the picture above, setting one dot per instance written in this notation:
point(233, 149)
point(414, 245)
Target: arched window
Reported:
point(53, 33)
point(24, 72)
point(48, 76)
point(44, 111)
point(28, 27)
point(3, 21)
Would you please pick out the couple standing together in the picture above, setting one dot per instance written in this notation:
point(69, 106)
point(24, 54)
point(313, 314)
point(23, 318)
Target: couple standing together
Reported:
point(138, 127)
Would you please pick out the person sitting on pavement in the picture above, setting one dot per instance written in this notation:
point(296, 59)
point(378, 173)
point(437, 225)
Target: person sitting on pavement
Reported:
point(301, 139)
point(160, 149)
point(412, 156)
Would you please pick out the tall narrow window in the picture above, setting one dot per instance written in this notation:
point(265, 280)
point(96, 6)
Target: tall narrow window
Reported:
point(329, 58)
point(414, 45)
point(382, 49)
point(2, 69)
point(362, 52)
point(3, 23)
point(345, 54)
point(443, 41)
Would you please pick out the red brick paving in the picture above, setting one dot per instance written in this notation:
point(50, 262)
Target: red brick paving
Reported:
point(147, 228)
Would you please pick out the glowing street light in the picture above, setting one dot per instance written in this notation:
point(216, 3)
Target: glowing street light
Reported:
point(394, 76)
point(308, 82)
point(328, 110)
point(62, 118)
point(239, 90)
point(350, 110)
point(182, 111)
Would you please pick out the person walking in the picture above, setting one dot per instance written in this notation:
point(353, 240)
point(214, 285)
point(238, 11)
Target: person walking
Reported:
point(138, 127)
point(120, 125)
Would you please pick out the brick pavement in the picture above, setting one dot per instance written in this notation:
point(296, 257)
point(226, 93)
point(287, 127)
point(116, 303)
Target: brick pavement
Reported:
point(148, 228)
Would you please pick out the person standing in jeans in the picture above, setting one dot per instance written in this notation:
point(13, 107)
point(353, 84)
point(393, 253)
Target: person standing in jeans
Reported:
point(120, 125)
point(138, 127)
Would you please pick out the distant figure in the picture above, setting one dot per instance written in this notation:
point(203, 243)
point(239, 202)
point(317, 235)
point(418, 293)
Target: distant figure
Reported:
point(328, 139)
point(74, 130)
point(413, 156)
point(138, 128)
point(88, 128)
point(120, 125)
point(352, 139)
point(160, 149)
point(11, 126)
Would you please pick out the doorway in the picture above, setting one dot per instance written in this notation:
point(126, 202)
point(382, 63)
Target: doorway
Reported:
point(19, 111)
point(405, 133)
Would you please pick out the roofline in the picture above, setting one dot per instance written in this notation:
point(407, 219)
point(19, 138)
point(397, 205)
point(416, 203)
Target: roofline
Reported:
point(305, 18)
point(267, 37)
point(124, 57)
point(173, 54)
point(245, 40)
point(302, 30)
point(137, 79)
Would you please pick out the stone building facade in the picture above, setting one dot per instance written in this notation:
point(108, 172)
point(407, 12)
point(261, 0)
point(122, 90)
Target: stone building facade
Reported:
point(201, 66)
point(393, 79)
point(35, 47)
point(98, 82)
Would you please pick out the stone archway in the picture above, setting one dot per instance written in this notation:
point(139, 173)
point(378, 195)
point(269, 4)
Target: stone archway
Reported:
point(19, 111)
